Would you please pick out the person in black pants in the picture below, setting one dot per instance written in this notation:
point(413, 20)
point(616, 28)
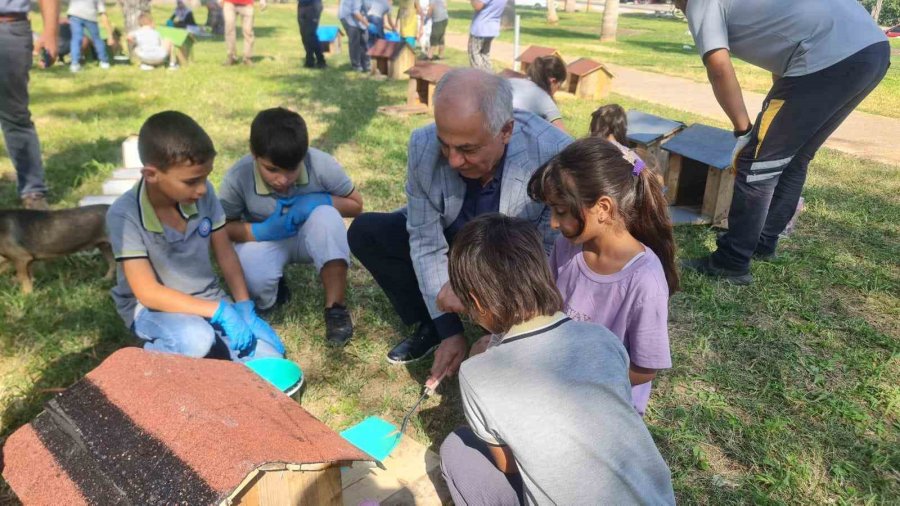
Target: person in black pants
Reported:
point(825, 57)
point(308, 14)
point(21, 139)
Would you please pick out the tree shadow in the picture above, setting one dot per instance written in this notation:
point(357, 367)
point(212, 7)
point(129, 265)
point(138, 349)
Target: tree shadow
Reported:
point(49, 96)
point(68, 168)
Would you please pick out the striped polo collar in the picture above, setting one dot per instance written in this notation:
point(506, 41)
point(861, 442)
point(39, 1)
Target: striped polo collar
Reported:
point(262, 188)
point(149, 219)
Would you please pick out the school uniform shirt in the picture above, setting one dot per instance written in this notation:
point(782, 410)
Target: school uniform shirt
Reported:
point(789, 39)
point(556, 392)
point(181, 261)
point(86, 9)
point(530, 97)
point(633, 303)
point(245, 196)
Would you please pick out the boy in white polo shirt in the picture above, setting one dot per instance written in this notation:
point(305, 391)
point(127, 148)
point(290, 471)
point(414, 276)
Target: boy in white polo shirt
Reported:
point(283, 176)
point(161, 232)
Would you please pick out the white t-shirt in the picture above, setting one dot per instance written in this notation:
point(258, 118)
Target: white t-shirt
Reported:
point(146, 38)
point(86, 9)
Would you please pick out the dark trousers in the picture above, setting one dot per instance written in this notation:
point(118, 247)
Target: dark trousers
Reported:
point(356, 42)
point(15, 119)
point(308, 19)
point(381, 243)
point(798, 115)
point(472, 476)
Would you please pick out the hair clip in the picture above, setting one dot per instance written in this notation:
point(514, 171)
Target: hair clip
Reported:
point(632, 158)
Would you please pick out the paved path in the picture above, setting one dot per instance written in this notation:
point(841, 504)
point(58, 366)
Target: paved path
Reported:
point(862, 134)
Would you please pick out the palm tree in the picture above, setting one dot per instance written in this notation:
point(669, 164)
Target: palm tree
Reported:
point(552, 17)
point(131, 9)
point(610, 21)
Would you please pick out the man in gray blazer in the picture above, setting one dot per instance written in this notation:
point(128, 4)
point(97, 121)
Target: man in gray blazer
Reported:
point(476, 158)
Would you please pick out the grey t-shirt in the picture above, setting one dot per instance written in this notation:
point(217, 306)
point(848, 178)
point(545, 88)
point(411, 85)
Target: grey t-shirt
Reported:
point(245, 196)
point(378, 8)
point(86, 9)
point(439, 10)
point(528, 96)
point(11, 6)
point(180, 261)
point(789, 39)
point(557, 393)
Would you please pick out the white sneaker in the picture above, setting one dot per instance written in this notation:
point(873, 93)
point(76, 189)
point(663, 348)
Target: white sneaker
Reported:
point(104, 65)
point(74, 68)
point(173, 66)
point(144, 66)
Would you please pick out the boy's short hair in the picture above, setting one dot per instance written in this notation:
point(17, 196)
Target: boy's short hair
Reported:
point(171, 138)
point(280, 136)
point(500, 260)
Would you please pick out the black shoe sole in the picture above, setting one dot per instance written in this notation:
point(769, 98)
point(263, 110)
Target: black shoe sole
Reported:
point(701, 266)
point(334, 343)
point(424, 355)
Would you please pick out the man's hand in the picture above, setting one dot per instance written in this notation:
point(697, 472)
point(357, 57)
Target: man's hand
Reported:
point(739, 146)
point(51, 52)
point(480, 346)
point(448, 302)
point(50, 15)
point(447, 358)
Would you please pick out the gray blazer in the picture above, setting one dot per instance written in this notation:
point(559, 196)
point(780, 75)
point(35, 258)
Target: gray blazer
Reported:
point(435, 194)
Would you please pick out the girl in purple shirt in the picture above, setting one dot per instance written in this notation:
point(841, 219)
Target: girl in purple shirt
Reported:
point(615, 261)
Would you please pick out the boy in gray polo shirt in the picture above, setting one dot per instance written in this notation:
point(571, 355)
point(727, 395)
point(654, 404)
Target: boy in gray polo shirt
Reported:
point(284, 176)
point(549, 402)
point(161, 232)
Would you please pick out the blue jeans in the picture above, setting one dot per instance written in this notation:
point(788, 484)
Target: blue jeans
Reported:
point(78, 25)
point(190, 335)
point(15, 119)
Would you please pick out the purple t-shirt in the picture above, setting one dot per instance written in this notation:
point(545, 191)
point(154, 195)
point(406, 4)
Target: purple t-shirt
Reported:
point(633, 303)
point(486, 22)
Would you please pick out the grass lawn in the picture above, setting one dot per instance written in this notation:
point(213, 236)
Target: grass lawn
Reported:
point(646, 42)
point(782, 392)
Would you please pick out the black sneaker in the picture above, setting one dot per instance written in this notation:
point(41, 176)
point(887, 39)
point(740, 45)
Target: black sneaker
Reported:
point(704, 266)
point(338, 325)
point(321, 65)
point(309, 64)
point(765, 257)
point(415, 347)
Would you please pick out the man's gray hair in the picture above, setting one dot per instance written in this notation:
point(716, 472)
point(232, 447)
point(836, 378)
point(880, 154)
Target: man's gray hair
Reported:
point(492, 93)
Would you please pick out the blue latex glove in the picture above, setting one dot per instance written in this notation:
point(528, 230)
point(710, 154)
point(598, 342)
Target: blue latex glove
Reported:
point(260, 329)
point(304, 205)
point(277, 226)
point(239, 334)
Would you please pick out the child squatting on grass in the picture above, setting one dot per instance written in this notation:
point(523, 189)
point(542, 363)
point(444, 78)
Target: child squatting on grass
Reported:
point(285, 203)
point(161, 231)
point(149, 46)
point(549, 402)
point(614, 263)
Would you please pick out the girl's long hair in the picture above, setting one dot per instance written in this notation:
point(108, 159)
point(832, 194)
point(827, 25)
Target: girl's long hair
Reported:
point(593, 167)
point(544, 68)
point(610, 119)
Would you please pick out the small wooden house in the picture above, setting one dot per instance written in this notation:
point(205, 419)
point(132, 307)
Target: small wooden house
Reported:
point(532, 53)
point(155, 428)
point(391, 59)
point(588, 79)
point(700, 179)
point(423, 78)
point(649, 132)
point(329, 39)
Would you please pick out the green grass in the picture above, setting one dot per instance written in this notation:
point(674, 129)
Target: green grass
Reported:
point(646, 42)
point(782, 392)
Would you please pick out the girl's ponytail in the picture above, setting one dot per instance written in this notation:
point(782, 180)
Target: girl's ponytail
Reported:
point(650, 223)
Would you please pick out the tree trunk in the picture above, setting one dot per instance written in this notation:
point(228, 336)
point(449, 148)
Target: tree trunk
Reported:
point(131, 9)
point(876, 10)
point(508, 19)
point(552, 17)
point(588, 7)
point(610, 21)
point(570, 5)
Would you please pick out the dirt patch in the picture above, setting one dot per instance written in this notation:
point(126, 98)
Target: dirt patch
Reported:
point(880, 310)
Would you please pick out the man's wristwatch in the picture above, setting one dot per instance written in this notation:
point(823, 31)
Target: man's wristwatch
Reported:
point(741, 133)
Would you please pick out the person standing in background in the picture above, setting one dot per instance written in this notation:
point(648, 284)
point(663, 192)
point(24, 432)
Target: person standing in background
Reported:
point(407, 21)
point(84, 14)
point(379, 16)
point(485, 27)
point(15, 119)
point(352, 16)
point(437, 13)
point(243, 8)
point(308, 14)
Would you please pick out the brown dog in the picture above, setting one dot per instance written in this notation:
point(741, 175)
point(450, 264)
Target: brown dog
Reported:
point(26, 236)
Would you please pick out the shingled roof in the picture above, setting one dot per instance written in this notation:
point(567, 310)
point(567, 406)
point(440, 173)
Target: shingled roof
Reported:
point(428, 71)
point(584, 66)
point(386, 49)
point(153, 428)
point(535, 52)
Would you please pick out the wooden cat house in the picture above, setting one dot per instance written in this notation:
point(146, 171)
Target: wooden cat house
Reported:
point(391, 59)
point(533, 53)
point(588, 79)
point(154, 428)
point(700, 179)
point(423, 79)
point(649, 132)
